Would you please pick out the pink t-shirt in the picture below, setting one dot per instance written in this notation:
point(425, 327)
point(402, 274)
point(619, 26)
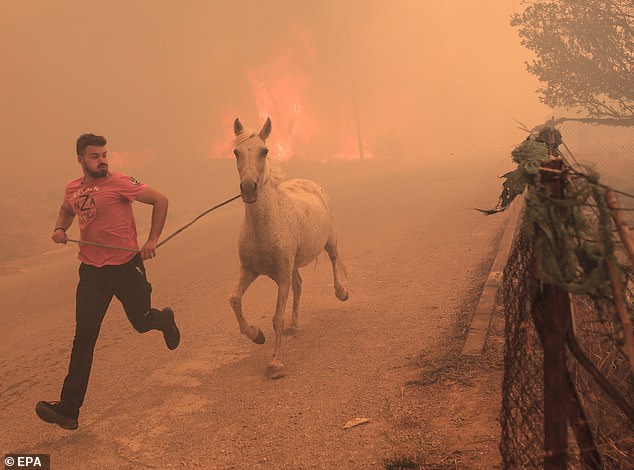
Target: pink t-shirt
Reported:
point(104, 212)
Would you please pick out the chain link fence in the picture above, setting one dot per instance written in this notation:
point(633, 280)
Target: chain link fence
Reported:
point(610, 149)
point(569, 246)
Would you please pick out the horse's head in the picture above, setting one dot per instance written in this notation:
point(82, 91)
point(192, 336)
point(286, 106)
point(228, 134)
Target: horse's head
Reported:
point(251, 151)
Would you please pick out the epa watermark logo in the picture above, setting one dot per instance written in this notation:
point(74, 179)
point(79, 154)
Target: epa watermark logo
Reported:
point(27, 462)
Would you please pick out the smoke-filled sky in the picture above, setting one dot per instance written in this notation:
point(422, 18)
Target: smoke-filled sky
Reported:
point(163, 80)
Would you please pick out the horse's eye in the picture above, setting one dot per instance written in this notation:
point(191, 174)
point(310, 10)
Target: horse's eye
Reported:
point(265, 152)
point(235, 152)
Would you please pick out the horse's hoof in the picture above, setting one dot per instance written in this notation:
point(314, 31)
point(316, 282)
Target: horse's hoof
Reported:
point(275, 370)
point(341, 293)
point(259, 339)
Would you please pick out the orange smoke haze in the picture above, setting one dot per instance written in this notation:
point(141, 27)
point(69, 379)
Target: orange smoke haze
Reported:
point(430, 83)
point(130, 162)
point(430, 80)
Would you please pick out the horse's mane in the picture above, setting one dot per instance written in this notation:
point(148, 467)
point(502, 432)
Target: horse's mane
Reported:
point(277, 174)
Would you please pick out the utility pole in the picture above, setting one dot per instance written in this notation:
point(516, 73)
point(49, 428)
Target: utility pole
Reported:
point(352, 83)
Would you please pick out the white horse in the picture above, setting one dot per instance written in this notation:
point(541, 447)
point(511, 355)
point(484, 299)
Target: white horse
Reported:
point(286, 226)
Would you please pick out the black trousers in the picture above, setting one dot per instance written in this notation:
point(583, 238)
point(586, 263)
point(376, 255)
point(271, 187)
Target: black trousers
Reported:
point(128, 283)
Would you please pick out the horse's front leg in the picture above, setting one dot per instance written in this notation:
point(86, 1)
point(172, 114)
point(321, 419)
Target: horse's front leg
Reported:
point(246, 279)
point(276, 367)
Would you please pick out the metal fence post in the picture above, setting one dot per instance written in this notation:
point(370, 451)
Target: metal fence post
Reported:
point(556, 303)
point(555, 313)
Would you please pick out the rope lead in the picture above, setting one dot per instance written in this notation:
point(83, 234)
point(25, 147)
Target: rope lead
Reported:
point(82, 242)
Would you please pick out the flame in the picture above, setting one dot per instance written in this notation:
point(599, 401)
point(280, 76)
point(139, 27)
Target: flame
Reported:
point(279, 88)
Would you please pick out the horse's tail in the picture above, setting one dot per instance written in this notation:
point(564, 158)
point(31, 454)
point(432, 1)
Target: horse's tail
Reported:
point(316, 261)
point(340, 265)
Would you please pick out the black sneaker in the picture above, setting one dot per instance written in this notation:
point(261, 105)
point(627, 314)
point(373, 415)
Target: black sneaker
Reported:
point(57, 412)
point(170, 331)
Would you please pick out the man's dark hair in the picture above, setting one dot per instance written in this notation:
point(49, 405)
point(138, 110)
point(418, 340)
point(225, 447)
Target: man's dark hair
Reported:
point(85, 140)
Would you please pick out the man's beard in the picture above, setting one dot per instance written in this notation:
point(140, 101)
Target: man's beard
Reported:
point(100, 173)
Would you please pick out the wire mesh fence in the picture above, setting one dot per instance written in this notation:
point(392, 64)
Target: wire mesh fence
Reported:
point(522, 414)
point(610, 149)
point(569, 262)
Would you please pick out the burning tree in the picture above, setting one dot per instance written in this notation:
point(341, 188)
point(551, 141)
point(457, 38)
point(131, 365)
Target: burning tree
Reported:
point(585, 55)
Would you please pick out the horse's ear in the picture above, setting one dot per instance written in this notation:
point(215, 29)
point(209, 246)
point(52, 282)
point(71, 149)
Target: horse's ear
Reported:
point(266, 129)
point(237, 126)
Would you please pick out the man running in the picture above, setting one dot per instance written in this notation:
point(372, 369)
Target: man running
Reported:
point(102, 203)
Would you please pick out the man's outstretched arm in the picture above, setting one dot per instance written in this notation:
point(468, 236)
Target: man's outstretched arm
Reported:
point(159, 205)
point(63, 222)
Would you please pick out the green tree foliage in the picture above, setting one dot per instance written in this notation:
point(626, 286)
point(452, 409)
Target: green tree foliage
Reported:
point(585, 54)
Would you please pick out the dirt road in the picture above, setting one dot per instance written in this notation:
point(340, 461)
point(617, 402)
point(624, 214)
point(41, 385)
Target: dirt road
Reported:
point(416, 256)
